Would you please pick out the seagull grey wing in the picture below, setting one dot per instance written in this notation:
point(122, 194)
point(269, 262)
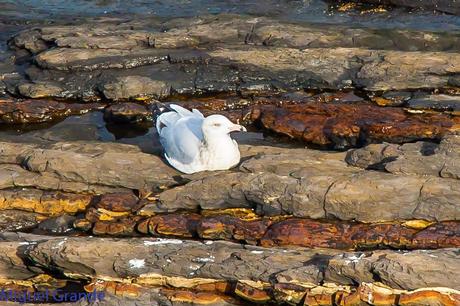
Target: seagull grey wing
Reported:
point(165, 120)
point(182, 142)
point(183, 112)
point(197, 113)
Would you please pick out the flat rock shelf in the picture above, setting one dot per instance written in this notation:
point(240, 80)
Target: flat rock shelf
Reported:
point(348, 189)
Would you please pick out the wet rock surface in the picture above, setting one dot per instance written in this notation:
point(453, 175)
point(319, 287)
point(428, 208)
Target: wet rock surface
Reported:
point(13, 220)
point(343, 126)
point(214, 267)
point(227, 53)
point(127, 112)
point(87, 203)
point(37, 111)
point(448, 6)
point(320, 205)
point(436, 102)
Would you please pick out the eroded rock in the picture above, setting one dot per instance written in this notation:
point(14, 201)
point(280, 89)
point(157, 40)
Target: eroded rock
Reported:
point(287, 231)
point(303, 186)
point(436, 102)
point(227, 261)
point(421, 158)
point(127, 112)
point(43, 202)
point(14, 220)
point(345, 126)
point(37, 111)
point(153, 58)
point(83, 167)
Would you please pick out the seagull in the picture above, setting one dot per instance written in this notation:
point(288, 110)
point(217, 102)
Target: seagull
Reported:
point(194, 143)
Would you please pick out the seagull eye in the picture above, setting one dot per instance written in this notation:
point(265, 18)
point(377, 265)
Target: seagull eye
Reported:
point(217, 124)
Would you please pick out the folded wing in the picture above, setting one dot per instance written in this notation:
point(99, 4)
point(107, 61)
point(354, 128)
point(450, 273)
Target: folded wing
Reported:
point(180, 135)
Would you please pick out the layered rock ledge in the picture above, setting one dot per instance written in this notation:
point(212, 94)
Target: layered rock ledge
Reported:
point(378, 224)
point(227, 53)
point(349, 209)
point(252, 273)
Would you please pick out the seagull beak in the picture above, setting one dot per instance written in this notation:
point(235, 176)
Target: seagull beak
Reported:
point(237, 128)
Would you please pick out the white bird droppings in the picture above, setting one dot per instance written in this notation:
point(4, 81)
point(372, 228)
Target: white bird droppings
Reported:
point(137, 263)
point(163, 241)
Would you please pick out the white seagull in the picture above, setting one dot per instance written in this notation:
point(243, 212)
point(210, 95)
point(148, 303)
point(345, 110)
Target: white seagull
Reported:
point(193, 143)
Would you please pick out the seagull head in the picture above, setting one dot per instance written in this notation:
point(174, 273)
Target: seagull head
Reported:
point(220, 125)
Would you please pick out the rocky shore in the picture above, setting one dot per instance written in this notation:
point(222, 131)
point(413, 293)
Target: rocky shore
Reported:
point(347, 192)
point(325, 225)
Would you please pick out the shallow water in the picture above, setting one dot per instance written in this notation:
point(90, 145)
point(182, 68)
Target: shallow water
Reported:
point(316, 11)
point(92, 127)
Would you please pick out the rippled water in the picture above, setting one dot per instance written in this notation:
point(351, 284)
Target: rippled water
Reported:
point(300, 11)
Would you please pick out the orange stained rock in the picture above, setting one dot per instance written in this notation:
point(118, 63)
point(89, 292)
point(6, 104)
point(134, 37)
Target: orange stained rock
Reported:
point(197, 298)
point(417, 224)
point(41, 110)
point(181, 225)
point(291, 294)
point(118, 202)
point(284, 230)
point(143, 226)
point(117, 288)
point(50, 203)
point(429, 297)
point(377, 294)
point(16, 288)
point(245, 214)
point(252, 294)
point(107, 215)
point(100, 214)
point(83, 224)
point(218, 286)
point(347, 124)
point(312, 233)
point(228, 227)
point(323, 299)
point(121, 227)
point(344, 7)
point(37, 282)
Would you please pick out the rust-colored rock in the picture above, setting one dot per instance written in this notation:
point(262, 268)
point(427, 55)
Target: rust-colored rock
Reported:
point(251, 293)
point(100, 214)
point(287, 231)
point(119, 202)
point(181, 225)
point(429, 297)
point(348, 125)
point(448, 6)
point(121, 289)
point(127, 112)
point(309, 233)
point(199, 298)
point(289, 293)
point(226, 227)
point(83, 225)
point(120, 227)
